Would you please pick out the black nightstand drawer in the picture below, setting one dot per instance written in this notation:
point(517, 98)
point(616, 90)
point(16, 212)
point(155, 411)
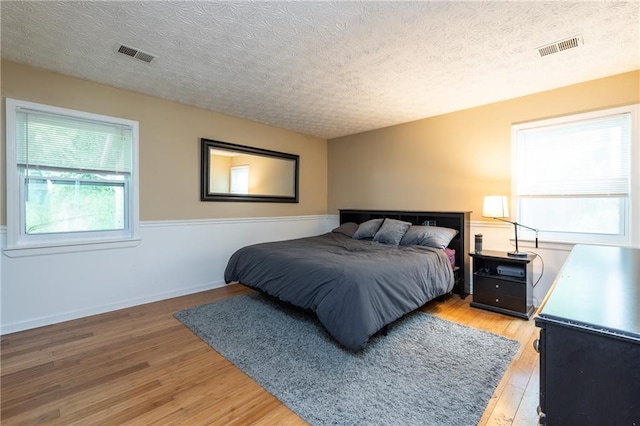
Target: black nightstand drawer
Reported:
point(501, 301)
point(496, 286)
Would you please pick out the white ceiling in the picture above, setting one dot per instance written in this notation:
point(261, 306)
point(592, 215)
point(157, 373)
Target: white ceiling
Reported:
point(326, 69)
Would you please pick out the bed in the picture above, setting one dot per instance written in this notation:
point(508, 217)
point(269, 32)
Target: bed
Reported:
point(359, 278)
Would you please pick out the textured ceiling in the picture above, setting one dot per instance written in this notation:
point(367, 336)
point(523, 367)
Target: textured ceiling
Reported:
point(326, 69)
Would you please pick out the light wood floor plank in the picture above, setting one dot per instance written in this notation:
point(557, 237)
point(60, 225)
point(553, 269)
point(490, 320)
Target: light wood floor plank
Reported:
point(142, 366)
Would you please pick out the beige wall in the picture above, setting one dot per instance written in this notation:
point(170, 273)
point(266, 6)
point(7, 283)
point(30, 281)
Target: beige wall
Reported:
point(450, 162)
point(170, 135)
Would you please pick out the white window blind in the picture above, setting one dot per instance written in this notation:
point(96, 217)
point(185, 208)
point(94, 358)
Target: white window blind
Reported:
point(589, 157)
point(53, 141)
point(573, 177)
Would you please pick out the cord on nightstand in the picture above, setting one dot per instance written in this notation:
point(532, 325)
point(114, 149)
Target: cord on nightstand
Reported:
point(541, 264)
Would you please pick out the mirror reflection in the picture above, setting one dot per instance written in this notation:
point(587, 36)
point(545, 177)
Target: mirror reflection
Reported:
point(233, 172)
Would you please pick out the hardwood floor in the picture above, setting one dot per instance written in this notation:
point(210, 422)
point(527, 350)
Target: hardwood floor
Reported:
point(141, 366)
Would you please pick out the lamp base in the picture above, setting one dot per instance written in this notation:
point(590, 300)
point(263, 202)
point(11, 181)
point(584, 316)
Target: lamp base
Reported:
point(517, 254)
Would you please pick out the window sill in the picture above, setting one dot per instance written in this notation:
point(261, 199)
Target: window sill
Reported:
point(69, 247)
point(530, 245)
point(559, 245)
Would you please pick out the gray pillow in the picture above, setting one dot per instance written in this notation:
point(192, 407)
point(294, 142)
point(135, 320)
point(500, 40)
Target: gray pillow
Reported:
point(430, 236)
point(391, 231)
point(413, 236)
point(367, 230)
point(347, 229)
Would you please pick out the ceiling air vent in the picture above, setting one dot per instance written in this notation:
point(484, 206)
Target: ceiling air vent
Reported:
point(135, 53)
point(559, 46)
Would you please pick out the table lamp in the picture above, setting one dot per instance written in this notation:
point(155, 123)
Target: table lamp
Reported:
point(497, 207)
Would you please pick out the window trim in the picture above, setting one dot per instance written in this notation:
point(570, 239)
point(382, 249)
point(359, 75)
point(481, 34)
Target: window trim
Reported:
point(631, 235)
point(17, 243)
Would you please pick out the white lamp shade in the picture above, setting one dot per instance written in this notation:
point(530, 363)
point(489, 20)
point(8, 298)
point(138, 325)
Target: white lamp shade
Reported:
point(495, 206)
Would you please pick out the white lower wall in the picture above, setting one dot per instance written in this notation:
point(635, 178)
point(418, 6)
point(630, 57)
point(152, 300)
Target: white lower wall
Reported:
point(176, 258)
point(173, 259)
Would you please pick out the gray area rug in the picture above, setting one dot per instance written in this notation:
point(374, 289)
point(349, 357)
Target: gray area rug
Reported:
point(426, 371)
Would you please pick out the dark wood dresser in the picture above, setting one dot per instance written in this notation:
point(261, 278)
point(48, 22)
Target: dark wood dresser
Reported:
point(590, 340)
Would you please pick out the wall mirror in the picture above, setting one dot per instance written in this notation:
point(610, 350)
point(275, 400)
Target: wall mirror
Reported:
point(231, 172)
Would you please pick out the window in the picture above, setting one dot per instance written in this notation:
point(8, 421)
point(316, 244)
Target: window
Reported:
point(71, 177)
point(239, 180)
point(576, 178)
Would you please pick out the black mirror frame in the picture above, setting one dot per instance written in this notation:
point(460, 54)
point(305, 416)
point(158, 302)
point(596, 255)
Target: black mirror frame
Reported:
point(205, 167)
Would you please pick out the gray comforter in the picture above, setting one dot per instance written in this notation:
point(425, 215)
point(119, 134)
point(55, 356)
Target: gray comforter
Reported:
point(355, 287)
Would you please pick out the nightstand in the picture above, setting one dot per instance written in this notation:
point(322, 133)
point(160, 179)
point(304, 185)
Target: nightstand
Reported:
point(503, 283)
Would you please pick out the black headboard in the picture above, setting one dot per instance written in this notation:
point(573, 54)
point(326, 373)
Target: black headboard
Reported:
point(461, 243)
